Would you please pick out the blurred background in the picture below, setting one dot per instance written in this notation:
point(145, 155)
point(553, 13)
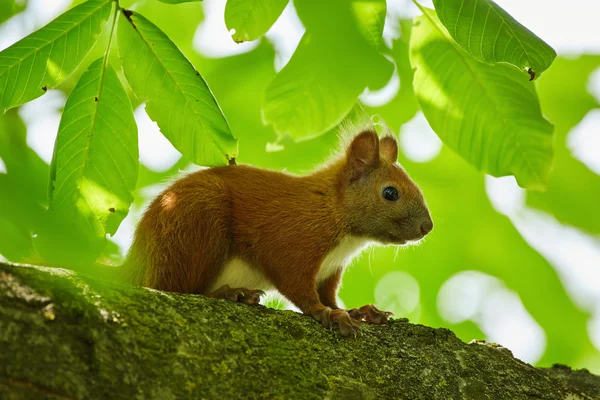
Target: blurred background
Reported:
point(511, 266)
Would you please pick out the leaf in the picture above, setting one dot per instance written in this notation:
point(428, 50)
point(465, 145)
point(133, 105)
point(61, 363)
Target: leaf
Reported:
point(324, 77)
point(45, 58)
point(311, 94)
point(252, 18)
point(490, 115)
point(96, 154)
point(370, 16)
point(491, 35)
point(176, 96)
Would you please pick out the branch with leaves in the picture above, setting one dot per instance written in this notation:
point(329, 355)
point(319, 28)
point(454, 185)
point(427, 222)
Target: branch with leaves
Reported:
point(473, 65)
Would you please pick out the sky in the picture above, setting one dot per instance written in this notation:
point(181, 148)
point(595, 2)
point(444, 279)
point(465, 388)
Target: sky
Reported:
point(469, 295)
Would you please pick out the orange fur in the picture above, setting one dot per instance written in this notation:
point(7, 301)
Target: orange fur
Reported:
point(281, 226)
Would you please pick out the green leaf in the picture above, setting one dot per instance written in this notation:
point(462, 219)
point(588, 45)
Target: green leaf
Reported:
point(370, 16)
point(311, 94)
point(176, 96)
point(490, 115)
point(96, 154)
point(252, 18)
point(48, 56)
point(326, 74)
point(491, 35)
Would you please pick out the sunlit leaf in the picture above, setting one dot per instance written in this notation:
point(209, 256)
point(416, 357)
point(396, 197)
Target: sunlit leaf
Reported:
point(490, 115)
point(252, 18)
point(311, 94)
point(490, 34)
point(176, 96)
point(96, 154)
point(370, 17)
point(48, 56)
point(332, 65)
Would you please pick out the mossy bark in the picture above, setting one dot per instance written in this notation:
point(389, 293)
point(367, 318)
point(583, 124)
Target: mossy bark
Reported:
point(65, 336)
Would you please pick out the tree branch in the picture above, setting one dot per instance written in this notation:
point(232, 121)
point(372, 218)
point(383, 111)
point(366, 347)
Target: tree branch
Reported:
point(67, 336)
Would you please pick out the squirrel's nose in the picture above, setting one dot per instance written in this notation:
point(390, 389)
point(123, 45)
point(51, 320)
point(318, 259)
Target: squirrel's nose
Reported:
point(426, 226)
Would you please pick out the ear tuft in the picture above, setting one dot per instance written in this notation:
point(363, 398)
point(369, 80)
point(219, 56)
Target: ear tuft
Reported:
point(388, 148)
point(363, 154)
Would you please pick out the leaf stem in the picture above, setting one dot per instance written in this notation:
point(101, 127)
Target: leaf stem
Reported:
point(101, 85)
point(112, 30)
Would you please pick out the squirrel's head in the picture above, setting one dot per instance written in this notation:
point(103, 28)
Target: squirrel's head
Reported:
point(379, 198)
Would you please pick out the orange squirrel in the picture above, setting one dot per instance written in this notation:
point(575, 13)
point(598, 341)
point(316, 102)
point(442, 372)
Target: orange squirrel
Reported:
point(232, 232)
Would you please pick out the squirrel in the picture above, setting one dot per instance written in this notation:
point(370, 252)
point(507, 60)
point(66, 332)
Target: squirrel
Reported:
point(234, 231)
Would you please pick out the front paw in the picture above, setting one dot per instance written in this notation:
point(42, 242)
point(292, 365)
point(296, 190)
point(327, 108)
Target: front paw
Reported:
point(347, 325)
point(371, 314)
point(322, 315)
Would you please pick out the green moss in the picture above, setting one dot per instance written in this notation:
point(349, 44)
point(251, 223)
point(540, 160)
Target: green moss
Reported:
point(68, 336)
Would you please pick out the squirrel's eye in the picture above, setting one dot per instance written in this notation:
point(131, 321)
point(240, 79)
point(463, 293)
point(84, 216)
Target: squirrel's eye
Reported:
point(390, 193)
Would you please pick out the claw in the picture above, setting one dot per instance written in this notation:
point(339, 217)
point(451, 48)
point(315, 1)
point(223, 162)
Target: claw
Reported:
point(348, 325)
point(374, 315)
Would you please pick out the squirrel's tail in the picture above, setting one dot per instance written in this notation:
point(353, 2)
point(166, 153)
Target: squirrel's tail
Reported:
point(133, 270)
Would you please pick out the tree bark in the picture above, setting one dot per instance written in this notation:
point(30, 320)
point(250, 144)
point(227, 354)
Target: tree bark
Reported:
point(65, 336)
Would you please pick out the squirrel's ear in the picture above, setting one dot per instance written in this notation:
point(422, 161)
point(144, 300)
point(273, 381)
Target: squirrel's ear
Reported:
point(388, 148)
point(363, 154)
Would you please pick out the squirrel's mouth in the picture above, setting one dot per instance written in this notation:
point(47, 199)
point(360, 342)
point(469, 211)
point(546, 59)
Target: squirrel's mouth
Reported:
point(395, 240)
point(405, 234)
point(418, 239)
point(402, 240)
point(390, 239)
point(401, 236)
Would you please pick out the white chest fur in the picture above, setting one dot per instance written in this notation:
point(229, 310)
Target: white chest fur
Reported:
point(341, 255)
point(238, 274)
